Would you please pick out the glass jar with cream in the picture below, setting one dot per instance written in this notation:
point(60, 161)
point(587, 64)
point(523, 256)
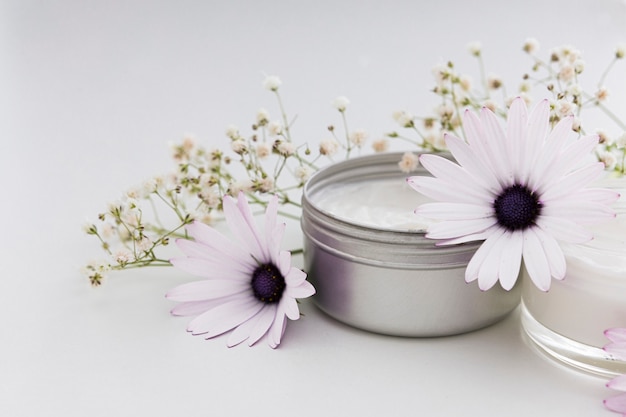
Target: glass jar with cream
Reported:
point(568, 321)
point(372, 266)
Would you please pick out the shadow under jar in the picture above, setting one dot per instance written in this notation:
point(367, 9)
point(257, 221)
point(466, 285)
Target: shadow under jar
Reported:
point(366, 253)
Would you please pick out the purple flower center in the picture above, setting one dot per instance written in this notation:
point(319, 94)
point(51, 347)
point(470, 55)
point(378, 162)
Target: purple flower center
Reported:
point(517, 207)
point(268, 283)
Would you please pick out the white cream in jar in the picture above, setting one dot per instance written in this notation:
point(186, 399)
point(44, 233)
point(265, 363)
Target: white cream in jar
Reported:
point(382, 203)
point(591, 298)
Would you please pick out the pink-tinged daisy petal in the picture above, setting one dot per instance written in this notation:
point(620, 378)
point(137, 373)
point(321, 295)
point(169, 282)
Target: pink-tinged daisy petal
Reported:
point(498, 150)
point(554, 254)
point(469, 238)
point(581, 212)
point(245, 330)
point(200, 251)
point(273, 242)
point(442, 190)
point(304, 290)
point(618, 383)
point(263, 324)
point(218, 243)
point(535, 260)
point(616, 403)
point(251, 288)
point(448, 171)
point(295, 277)
point(490, 268)
point(532, 182)
point(474, 265)
point(473, 165)
point(209, 270)
point(290, 307)
point(538, 123)
point(207, 290)
point(452, 229)
point(616, 334)
point(598, 195)
point(454, 211)
point(573, 181)
point(277, 329)
point(554, 143)
point(510, 258)
point(564, 230)
point(284, 262)
point(242, 225)
point(224, 317)
point(193, 308)
point(476, 139)
point(566, 162)
point(516, 133)
point(617, 349)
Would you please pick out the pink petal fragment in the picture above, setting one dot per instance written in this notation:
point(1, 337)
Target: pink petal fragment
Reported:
point(616, 403)
point(617, 349)
point(207, 290)
point(617, 383)
point(535, 260)
point(616, 334)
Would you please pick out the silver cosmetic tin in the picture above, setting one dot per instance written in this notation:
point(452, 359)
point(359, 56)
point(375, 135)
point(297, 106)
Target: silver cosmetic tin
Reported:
point(391, 282)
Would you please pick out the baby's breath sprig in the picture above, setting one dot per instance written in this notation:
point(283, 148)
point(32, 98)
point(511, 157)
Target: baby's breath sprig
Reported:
point(134, 231)
point(557, 77)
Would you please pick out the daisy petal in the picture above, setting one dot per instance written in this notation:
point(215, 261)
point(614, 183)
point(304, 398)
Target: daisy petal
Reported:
point(618, 383)
point(452, 229)
point(291, 308)
point(440, 189)
point(242, 332)
point(535, 260)
point(616, 403)
point(554, 254)
point(617, 334)
point(448, 171)
point(277, 329)
point(498, 149)
point(241, 223)
point(563, 229)
point(582, 212)
point(468, 160)
point(262, 326)
point(510, 259)
point(516, 133)
point(193, 308)
point(598, 195)
point(572, 181)
point(304, 290)
point(490, 268)
point(538, 123)
point(200, 251)
point(206, 290)
point(617, 349)
point(218, 243)
point(225, 317)
point(295, 277)
point(211, 270)
point(454, 211)
point(474, 265)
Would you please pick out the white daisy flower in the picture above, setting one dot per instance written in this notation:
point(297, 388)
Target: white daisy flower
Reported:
point(521, 192)
point(249, 285)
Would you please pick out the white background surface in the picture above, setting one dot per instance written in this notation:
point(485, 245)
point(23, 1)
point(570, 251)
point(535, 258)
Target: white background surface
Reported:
point(90, 95)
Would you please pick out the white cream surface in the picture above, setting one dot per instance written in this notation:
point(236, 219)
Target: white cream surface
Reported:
point(382, 203)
